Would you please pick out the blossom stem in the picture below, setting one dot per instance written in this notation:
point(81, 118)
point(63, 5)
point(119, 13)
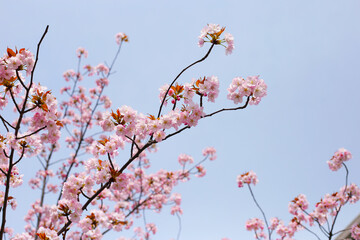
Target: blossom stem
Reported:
point(257, 204)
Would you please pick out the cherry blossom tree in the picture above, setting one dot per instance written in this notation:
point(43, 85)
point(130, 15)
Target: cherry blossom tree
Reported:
point(77, 139)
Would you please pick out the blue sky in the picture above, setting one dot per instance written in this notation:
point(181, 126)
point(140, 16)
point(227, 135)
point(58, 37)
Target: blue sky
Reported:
point(306, 51)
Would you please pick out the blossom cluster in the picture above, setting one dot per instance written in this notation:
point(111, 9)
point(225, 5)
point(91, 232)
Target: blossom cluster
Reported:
point(256, 225)
point(252, 87)
point(212, 33)
point(247, 178)
point(339, 157)
point(14, 61)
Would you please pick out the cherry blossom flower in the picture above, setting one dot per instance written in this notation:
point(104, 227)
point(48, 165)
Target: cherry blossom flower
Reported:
point(339, 157)
point(247, 178)
point(212, 33)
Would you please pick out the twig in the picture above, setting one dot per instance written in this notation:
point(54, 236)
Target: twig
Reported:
point(27, 135)
point(229, 109)
point(257, 204)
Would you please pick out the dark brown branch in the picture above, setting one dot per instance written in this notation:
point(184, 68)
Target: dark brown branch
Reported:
point(30, 109)
point(6, 195)
point(177, 132)
point(111, 163)
point(3, 172)
point(133, 143)
point(229, 109)
point(21, 81)
point(4, 121)
point(37, 56)
point(22, 155)
point(14, 101)
point(30, 134)
point(84, 194)
point(17, 129)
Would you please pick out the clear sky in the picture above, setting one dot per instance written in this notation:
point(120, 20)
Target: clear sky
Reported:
point(307, 52)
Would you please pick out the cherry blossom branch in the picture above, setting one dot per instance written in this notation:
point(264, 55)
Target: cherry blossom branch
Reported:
point(37, 57)
point(14, 101)
point(307, 229)
point(347, 229)
point(30, 109)
point(323, 230)
point(4, 121)
point(338, 210)
point(21, 81)
point(83, 132)
point(172, 83)
point(179, 232)
point(262, 212)
point(111, 163)
point(116, 56)
point(42, 196)
point(74, 86)
point(6, 195)
point(149, 197)
point(3, 172)
point(17, 129)
point(30, 134)
point(107, 184)
point(177, 132)
point(229, 109)
point(21, 156)
point(209, 115)
point(133, 143)
point(346, 177)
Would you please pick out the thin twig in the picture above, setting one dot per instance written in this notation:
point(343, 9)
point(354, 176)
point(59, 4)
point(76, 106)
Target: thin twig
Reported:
point(14, 101)
point(4, 121)
point(257, 204)
point(229, 109)
point(30, 134)
point(20, 80)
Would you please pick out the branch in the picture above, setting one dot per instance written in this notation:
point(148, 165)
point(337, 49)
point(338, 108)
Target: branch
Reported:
point(257, 204)
point(172, 83)
point(22, 155)
point(229, 109)
point(37, 56)
point(27, 135)
point(4, 121)
point(107, 184)
point(30, 109)
point(133, 143)
point(177, 132)
point(21, 81)
point(13, 98)
point(111, 163)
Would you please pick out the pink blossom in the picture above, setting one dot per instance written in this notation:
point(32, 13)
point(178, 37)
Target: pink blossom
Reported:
point(254, 224)
point(210, 151)
point(355, 231)
point(81, 52)
point(120, 37)
point(339, 157)
point(184, 158)
point(211, 33)
point(248, 178)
